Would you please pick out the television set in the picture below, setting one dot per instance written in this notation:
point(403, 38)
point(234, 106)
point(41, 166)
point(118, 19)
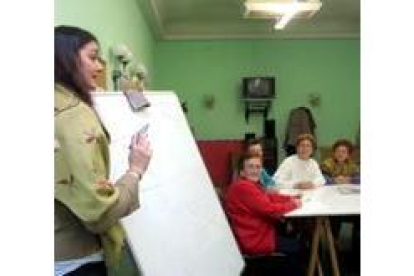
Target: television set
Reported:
point(258, 87)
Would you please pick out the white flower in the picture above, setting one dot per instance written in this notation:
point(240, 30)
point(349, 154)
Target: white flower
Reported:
point(122, 52)
point(139, 70)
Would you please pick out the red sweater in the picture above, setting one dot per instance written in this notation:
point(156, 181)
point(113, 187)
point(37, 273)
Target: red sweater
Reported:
point(253, 214)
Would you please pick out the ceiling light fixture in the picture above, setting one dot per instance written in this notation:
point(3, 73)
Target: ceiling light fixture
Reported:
point(282, 10)
point(286, 17)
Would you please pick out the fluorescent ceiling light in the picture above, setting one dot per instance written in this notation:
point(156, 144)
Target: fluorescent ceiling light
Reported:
point(282, 10)
point(280, 24)
point(281, 6)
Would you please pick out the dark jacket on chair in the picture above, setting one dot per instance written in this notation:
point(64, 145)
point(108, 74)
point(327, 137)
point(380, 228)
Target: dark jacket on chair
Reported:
point(300, 122)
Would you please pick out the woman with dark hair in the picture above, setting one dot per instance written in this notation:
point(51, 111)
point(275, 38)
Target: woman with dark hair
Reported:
point(254, 146)
point(87, 205)
point(340, 168)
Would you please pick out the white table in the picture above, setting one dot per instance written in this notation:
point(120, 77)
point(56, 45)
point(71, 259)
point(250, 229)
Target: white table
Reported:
point(332, 200)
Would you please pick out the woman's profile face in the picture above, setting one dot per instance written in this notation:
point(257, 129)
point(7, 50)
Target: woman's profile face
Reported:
point(304, 149)
point(90, 65)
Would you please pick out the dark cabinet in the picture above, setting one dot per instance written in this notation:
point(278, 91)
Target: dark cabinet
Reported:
point(270, 154)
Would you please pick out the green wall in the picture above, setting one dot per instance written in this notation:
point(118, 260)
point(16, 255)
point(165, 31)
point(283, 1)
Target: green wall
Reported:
point(112, 22)
point(330, 68)
point(194, 69)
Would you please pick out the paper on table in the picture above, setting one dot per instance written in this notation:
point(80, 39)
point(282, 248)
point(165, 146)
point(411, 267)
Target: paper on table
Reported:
point(309, 208)
point(348, 190)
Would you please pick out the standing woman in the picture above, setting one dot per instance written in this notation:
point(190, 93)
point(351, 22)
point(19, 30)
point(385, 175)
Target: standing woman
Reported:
point(87, 205)
point(300, 171)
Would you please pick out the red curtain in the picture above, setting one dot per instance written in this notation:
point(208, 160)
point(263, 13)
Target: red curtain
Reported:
point(217, 158)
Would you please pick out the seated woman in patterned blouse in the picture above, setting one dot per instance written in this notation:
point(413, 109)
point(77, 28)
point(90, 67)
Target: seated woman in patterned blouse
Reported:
point(340, 168)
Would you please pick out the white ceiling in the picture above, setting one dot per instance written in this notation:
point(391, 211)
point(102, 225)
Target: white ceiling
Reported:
point(218, 19)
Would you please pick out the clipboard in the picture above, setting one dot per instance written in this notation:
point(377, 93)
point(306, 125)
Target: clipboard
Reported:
point(136, 99)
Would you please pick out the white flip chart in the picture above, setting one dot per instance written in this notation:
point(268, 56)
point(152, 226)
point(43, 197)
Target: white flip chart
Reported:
point(180, 228)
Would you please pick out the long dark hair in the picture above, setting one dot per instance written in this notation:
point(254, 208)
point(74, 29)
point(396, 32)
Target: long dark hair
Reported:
point(68, 41)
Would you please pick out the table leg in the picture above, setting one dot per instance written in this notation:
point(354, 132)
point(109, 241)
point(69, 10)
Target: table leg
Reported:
point(331, 244)
point(320, 271)
point(315, 244)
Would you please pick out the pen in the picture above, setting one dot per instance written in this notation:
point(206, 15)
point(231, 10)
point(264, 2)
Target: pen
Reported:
point(143, 130)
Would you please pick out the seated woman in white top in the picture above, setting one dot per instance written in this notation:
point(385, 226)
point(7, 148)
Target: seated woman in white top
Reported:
point(300, 171)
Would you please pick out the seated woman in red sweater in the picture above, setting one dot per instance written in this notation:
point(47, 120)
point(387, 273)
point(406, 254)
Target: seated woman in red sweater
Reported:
point(253, 213)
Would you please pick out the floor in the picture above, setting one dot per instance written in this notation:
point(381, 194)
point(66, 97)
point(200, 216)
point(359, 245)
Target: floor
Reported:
point(348, 262)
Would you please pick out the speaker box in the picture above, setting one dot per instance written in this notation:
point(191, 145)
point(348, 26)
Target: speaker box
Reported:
point(248, 136)
point(270, 128)
point(270, 154)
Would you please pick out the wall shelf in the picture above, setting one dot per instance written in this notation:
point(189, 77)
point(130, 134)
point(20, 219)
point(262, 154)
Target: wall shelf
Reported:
point(256, 106)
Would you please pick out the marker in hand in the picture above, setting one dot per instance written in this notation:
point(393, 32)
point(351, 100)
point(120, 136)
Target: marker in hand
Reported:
point(142, 131)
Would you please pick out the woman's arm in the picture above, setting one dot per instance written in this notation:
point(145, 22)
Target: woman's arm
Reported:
point(84, 187)
point(261, 204)
point(318, 179)
point(283, 175)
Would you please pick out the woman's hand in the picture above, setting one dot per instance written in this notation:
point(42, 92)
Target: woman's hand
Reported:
point(304, 185)
point(297, 202)
point(140, 153)
point(342, 179)
point(272, 190)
